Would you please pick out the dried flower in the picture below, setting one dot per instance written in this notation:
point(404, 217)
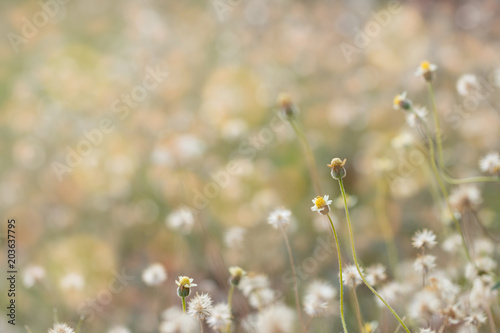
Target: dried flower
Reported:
point(424, 263)
point(490, 163)
point(350, 276)
point(318, 299)
point(32, 274)
point(61, 328)
point(321, 204)
point(475, 318)
point(418, 113)
point(184, 286)
point(426, 70)
point(200, 307)
point(424, 239)
point(220, 317)
point(154, 274)
point(279, 218)
point(234, 237)
point(467, 85)
point(338, 169)
point(375, 274)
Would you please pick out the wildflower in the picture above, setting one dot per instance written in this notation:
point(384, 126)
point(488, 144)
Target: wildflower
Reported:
point(321, 204)
point(475, 318)
point(401, 102)
point(351, 277)
point(119, 329)
point(482, 292)
point(318, 299)
point(184, 285)
point(200, 307)
point(352, 200)
point(61, 328)
point(452, 243)
point(427, 330)
point(279, 218)
point(32, 274)
point(234, 237)
point(452, 314)
point(174, 321)
point(181, 219)
point(338, 169)
point(465, 197)
point(72, 281)
point(278, 318)
point(424, 263)
point(262, 298)
point(286, 105)
point(490, 163)
point(426, 70)
point(236, 274)
point(370, 327)
point(419, 113)
point(467, 85)
point(424, 305)
point(154, 275)
point(253, 282)
point(220, 318)
point(423, 239)
point(375, 274)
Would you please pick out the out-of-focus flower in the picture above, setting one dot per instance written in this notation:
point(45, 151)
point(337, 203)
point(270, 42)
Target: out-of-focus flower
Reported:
point(32, 274)
point(236, 274)
point(452, 243)
point(475, 318)
point(184, 285)
point(351, 277)
point(72, 281)
point(490, 163)
point(426, 330)
point(119, 329)
point(181, 219)
point(253, 282)
point(465, 197)
point(370, 327)
point(154, 275)
point(280, 218)
point(423, 239)
point(200, 307)
point(61, 328)
point(424, 263)
point(401, 102)
point(426, 70)
point(286, 105)
point(321, 204)
point(467, 85)
point(234, 237)
point(174, 321)
point(375, 274)
point(418, 113)
point(220, 317)
point(277, 318)
point(318, 299)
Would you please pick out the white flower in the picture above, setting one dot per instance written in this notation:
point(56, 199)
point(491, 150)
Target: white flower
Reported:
point(426, 330)
point(426, 69)
point(200, 307)
point(61, 328)
point(418, 113)
point(72, 281)
point(465, 197)
point(423, 239)
point(280, 218)
point(277, 318)
point(119, 329)
point(401, 102)
point(32, 274)
point(154, 274)
point(424, 305)
point(234, 237)
point(220, 318)
point(424, 263)
point(467, 84)
point(253, 282)
point(181, 219)
point(452, 243)
point(351, 277)
point(262, 298)
point(375, 274)
point(475, 318)
point(174, 321)
point(318, 299)
point(490, 163)
point(321, 204)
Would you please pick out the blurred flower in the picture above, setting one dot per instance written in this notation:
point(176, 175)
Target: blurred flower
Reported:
point(351, 277)
point(200, 307)
point(475, 318)
point(375, 274)
point(401, 102)
point(253, 282)
point(262, 298)
point(490, 163)
point(370, 327)
point(236, 274)
point(154, 275)
point(402, 141)
point(424, 263)
point(234, 237)
point(321, 204)
point(426, 70)
point(32, 274)
point(274, 319)
point(184, 286)
point(286, 105)
point(427, 330)
point(279, 218)
point(220, 318)
point(352, 200)
point(452, 243)
point(181, 219)
point(72, 281)
point(174, 321)
point(418, 113)
point(467, 84)
point(61, 328)
point(319, 298)
point(465, 197)
point(119, 329)
point(423, 239)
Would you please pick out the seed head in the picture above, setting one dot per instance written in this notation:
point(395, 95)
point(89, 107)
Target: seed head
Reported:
point(236, 274)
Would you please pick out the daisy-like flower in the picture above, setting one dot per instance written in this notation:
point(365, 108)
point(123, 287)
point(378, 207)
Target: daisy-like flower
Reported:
point(370, 327)
point(338, 168)
point(423, 239)
point(467, 85)
point(424, 263)
point(351, 277)
point(184, 285)
point(418, 113)
point(319, 298)
point(475, 318)
point(72, 281)
point(61, 328)
point(375, 274)
point(280, 218)
point(32, 274)
point(200, 307)
point(181, 219)
point(401, 102)
point(321, 204)
point(465, 197)
point(234, 237)
point(220, 318)
point(236, 274)
point(253, 282)
point(154, 275)
point(426, 70)
point(490, 163)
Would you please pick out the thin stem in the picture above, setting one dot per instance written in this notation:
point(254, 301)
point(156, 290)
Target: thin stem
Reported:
point(386, 226)
point(183, 304)
point(340, 274)
point(358, 310)
point(490, 319)
point(309, 154)
point(79, 325)
point(229, 304)
point(457, 181)
point(295, 283)
point(201, 326)
point(436, 123)
point(341, 184)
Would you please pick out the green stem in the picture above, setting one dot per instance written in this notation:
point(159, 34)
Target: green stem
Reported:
point(438, 127)
point(295, 283)
point(480, 179)
point(79, 325)
point(183, 304)
point(229, 304)
point(351, 236)
point(309, 154)
point(358, 310)
point(340, 275)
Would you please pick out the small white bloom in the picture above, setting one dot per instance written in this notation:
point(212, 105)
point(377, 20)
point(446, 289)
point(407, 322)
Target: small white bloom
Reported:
point(423, 239)
point(280, 218)
point(318, 299)
point(119, 329)
point(72, 281)
point(262, 298)
point(426, 69)
point(32, 274)
point(321, 204)
point(467, 85)
point(253, 282)
point(61, 328)
point(175, 321)
point(200, 307)
point(465, 197)
point(427, 330)
point(154, 275)
point(351, 277)
point(424, 263)
point(181, 219)
point(475, 318)
point(375, 274)
point(418, 113)
point(234, 237)
point(490, 163)
point(220, 318)
point(452, 243)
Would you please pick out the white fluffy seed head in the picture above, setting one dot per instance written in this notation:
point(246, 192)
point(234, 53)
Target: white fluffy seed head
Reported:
point(60, 328)
point(200, 307)
point(424, 239)
point(154, 275)
point(280, 218)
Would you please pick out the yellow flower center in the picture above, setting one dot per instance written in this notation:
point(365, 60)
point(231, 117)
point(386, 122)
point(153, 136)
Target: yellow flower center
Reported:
point(368, 327)
point(397, 100)
point(319, 202)
point(183, 280)
point(425, 65)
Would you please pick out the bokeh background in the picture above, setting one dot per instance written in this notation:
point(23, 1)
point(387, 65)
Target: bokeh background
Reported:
point(227, 61)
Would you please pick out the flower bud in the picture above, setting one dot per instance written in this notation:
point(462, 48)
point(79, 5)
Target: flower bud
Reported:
point(338, 170)
point(286, 105)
